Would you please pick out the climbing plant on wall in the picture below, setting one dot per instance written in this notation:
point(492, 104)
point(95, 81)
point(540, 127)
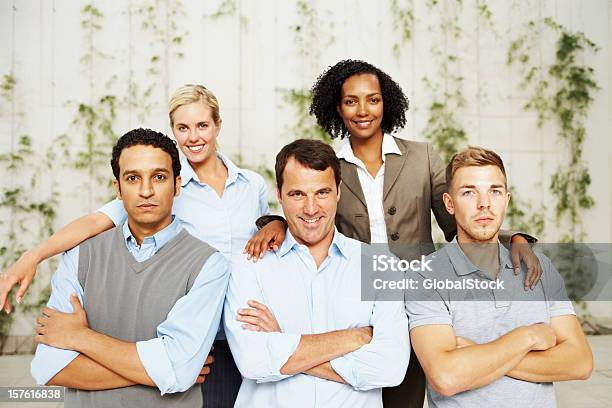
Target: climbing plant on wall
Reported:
point(562, 95)
point(94, 120)
point(30, 203)
point(444, 128)
point(311, 35)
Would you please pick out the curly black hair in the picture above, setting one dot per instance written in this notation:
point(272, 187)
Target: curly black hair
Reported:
point(146, 137)
point(327, 90)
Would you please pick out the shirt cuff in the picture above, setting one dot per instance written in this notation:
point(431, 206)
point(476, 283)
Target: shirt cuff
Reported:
point(154, 358)
point(49, 361)
point(115, 211)
point(281, 347)
point(343, 367)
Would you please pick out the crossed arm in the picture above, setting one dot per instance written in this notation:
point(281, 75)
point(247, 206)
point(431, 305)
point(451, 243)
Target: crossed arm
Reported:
point(537, 353)
point(73, 355)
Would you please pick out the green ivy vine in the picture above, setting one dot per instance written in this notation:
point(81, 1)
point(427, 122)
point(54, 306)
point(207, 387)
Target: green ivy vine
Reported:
point(403, 22)
point(443, 128)
point(31, 211)
point(562, 94)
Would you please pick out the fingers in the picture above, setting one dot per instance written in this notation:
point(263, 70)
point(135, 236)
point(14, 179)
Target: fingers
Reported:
point(23, 288)
point(74, 300)
point(47, 311)
point(200, 379)
point(516, 259)
point(251, 327)
point(534, 273)
point(255, 321)
point(205, 370)
point(259, 306)
point(209, 360)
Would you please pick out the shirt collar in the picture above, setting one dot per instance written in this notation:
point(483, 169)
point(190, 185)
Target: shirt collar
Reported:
point(345, 151)
point(160, 238)
point(233, 171)
point(338, 246)
point(463, 265)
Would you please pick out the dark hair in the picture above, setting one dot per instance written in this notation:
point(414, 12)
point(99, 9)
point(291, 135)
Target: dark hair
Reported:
point(327, 90)
point(313, 154)
point(146, 137)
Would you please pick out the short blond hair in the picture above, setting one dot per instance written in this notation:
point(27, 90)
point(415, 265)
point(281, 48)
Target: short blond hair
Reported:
point(189, 93)
point(473, 156)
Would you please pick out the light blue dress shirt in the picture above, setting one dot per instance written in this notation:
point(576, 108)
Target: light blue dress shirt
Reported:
point(226, 222)
point(310, 300)
point(175, 357)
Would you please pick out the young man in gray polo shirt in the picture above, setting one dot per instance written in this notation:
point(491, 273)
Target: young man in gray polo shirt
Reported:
point(488, 342)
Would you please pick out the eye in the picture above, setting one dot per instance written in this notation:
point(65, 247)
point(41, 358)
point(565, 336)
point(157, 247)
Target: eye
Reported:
point(497, 192)
point(181, 128)
point(374, 100)
point(131, 178)
point(296, 194)
point(323, 194)
point(202, 125)
point(468, 193)
point(160, 177)
point(349, 102)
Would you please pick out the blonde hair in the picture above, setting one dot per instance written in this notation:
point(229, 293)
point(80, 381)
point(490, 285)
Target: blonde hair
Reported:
point(189, 93)
point(473, 156)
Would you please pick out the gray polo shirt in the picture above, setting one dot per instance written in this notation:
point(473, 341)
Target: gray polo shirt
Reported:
point(484, 315)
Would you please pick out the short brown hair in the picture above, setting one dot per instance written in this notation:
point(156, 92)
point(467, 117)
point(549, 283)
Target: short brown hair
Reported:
point(473, 156)
point(312, 154)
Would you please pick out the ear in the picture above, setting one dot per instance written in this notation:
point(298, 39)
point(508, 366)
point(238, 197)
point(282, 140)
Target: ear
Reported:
point(177, 186)
point(339, 191)
point(448, 203)
point(117, 188)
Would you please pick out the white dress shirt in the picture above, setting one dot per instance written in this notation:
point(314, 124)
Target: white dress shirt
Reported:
point(372, 186)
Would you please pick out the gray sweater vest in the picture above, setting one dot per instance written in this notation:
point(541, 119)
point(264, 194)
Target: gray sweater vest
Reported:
point(127, 300)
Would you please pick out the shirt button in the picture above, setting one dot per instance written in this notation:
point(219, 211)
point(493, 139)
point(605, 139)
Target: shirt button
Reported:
point(395, 236)
point(392, 210)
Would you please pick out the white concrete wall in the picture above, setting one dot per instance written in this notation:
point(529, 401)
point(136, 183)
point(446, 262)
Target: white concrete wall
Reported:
point(249, 57)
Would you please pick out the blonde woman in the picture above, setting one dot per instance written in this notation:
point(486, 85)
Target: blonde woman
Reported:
point(218, 203)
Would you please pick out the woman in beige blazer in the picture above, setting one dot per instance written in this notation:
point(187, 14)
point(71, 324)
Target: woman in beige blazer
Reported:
point(390, 186)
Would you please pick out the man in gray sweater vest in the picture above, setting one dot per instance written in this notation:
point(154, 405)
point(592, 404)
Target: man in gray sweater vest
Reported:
point(151, 296)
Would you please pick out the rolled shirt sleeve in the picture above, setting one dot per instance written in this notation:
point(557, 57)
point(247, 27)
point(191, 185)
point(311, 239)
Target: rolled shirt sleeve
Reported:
point(259, 356)
point(115, 211)
point(175, 357)
point(382, 362)
point(48, 361)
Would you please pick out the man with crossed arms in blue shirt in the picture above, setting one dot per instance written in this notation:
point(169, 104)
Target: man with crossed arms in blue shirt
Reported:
point(152, 296)
point(295, 322)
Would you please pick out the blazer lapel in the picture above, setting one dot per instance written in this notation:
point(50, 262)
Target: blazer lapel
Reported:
point(393, 166)
point(351, 180)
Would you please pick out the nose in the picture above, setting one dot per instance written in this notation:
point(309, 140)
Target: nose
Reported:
point(362, 108)
point(146, 189)
point(483, 201)
point(310, 206)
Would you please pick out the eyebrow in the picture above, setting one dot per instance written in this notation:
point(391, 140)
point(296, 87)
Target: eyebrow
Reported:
point(367, 96)
point(157, 170)
point(491, 186)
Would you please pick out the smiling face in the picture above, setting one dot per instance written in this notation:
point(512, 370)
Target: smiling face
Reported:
point(147, 187)
point(478, 199)
point(195, 131)
point(309, 199)
point(361, 106)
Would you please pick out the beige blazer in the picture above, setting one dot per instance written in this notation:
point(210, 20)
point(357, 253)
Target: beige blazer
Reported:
point(413, 186)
